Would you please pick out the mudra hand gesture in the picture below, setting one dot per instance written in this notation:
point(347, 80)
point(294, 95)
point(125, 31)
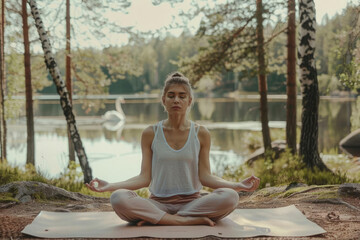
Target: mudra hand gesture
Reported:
point(98, 185)
point(249, 184)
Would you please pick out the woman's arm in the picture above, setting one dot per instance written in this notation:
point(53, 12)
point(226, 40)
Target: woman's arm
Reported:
point(134, 183)
point(208, 179)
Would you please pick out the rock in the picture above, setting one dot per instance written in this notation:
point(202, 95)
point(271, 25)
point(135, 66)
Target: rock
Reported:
point(350, 189)
point(278, 147)
point(28, 191)
point(332, 216)
point(351, 144)
point(25, 199)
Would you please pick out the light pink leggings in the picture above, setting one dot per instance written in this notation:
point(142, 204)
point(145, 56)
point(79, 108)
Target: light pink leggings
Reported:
point(132, 208)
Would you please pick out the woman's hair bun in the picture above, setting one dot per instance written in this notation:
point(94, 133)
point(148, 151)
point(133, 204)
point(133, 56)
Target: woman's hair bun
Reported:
point(176, 74)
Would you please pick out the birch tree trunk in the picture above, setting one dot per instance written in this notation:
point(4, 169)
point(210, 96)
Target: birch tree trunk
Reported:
point(309, 87)
point(68, 75)
point(30, 156)
point(291, 79)
point(262, 76)
point(62, 91)
point(2, 84)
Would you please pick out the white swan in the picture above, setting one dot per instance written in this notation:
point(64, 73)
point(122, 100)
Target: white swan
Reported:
point(115, 119)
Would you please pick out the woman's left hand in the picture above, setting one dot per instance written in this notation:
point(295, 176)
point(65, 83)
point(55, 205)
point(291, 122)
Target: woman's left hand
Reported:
point(249, 184)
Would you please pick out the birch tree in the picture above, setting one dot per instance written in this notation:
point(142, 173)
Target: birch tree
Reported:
point(309, 87)
point(68, 74)
point(62, 91)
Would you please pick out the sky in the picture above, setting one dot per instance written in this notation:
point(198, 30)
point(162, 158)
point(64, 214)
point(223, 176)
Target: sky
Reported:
point(330, 7)
point(144, 16)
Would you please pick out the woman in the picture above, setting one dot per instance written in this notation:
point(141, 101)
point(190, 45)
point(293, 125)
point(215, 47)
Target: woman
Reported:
point(175, 166)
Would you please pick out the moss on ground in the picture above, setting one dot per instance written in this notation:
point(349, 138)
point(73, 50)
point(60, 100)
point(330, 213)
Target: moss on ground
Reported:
point(7, 197)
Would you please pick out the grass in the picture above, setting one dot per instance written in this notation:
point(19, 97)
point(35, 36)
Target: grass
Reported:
point(70, 180)
point(289, 168)
point(282, 171)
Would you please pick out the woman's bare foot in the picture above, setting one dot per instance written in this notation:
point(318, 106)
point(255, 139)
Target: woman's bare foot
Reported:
point(169, 219)
point(142, 223)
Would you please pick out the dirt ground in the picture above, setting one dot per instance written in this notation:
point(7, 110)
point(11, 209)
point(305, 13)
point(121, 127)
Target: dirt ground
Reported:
point(338, 215)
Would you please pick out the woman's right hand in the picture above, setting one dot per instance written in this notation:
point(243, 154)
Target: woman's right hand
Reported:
point(98, 185)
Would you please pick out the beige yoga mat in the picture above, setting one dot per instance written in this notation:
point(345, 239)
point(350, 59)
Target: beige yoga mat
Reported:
point(284, 221)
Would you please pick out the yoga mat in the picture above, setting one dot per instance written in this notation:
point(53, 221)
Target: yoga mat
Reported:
point(284, 221)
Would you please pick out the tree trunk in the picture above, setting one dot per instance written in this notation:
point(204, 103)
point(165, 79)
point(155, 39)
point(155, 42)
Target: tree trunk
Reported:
point(309, 87)
point(30, 158)
point(262, 76)
point(68, 75)
point(62, 91)
point(2, 84)
point(291, 79)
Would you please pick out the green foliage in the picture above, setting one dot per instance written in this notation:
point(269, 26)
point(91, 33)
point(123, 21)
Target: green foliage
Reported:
point(350, 77)
point(287, 169)
point(11, 174)
point(337, 54)
point(70, 180)
point(7, 197)
point(220, 52)
point(328, 84)
point(144, 192)
point(15, 77)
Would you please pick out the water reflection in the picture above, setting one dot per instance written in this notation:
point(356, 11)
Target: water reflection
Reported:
point(116, 155)
point(206, 108)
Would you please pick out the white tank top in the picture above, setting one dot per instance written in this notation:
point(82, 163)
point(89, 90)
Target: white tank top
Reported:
point(174, 172)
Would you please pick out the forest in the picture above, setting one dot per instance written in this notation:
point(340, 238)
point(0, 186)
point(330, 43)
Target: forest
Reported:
point(239, 48)
point(143, 63)
point(276, 94)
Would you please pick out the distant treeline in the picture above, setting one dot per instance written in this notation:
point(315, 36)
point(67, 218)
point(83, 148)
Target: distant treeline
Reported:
point(142, 65)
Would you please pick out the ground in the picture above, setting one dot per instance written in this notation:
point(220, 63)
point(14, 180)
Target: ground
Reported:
point(337, 213)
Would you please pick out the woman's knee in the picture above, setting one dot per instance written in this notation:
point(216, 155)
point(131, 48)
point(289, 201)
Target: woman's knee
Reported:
point(229, 197)
point(121, 197)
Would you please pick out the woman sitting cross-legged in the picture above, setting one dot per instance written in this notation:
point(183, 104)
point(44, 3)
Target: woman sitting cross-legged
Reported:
point(175, 166)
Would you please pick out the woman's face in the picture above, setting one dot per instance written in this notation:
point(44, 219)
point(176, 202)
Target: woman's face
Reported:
point(177, 99)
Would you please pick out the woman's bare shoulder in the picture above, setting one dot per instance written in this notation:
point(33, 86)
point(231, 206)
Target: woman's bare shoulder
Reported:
point(202, 131)
point(148, 133)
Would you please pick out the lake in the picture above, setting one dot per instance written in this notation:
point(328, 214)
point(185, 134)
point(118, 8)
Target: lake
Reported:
point(114, 150)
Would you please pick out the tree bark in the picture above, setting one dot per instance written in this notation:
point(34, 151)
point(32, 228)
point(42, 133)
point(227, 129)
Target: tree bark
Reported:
point(62, 91)
point(291, 79)
point(68, 75)
point(309, 87)
point(262, 76)
point(30, 157)
point(3, 129)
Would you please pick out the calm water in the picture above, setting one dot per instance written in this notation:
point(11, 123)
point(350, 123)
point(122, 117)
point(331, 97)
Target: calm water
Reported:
point(114, 151)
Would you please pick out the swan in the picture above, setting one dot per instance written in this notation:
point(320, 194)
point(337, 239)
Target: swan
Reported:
point(115, 119)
